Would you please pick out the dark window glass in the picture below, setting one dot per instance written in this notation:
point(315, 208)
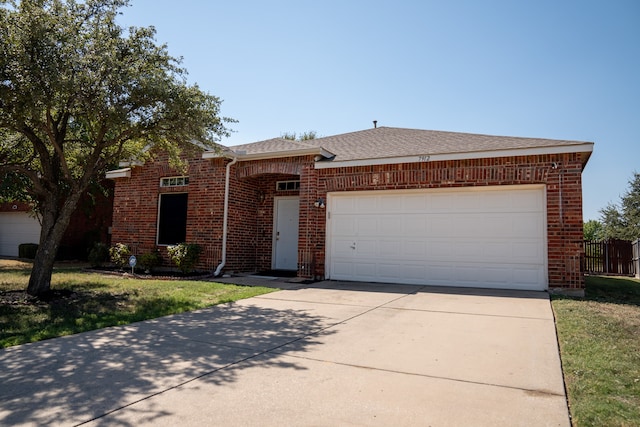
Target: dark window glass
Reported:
point(172, 227)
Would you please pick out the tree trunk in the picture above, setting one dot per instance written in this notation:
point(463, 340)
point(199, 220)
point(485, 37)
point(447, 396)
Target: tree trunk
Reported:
point(40, 280)
point(55, 220)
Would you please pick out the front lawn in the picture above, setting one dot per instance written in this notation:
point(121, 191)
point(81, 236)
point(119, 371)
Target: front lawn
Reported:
point(86, 301)
point(599, 340)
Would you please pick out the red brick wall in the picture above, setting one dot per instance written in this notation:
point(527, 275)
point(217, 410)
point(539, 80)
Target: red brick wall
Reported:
point(89, 223)
point(19, 207)
point(250, 223)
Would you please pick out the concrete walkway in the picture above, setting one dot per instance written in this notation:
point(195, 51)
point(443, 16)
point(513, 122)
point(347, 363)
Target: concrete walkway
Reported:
point(329, 354)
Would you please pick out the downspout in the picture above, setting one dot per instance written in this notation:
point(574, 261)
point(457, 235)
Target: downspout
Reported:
point(225, 217)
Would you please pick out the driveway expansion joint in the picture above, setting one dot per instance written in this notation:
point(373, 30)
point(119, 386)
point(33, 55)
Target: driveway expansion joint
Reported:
point(467, 313)
point(437, 377)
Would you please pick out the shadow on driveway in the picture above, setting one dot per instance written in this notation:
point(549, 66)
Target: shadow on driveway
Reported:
point(74, 379)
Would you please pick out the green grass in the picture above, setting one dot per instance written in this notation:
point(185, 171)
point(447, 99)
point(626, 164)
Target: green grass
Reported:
point(96, 301)
point(599, 340)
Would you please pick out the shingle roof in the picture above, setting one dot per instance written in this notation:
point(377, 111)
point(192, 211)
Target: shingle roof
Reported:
point(273, 145)
point(388, 142)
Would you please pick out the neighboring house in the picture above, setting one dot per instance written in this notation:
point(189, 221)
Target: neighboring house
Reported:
point(89, 224)
point(17, 226)
point(381, 205)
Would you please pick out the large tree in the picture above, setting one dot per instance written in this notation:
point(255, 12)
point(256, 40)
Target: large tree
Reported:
point(592, 230)
point(78, 93)
point(623, 221)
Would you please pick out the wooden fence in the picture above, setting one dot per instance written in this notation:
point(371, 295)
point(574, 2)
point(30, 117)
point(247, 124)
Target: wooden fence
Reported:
point(615, 257)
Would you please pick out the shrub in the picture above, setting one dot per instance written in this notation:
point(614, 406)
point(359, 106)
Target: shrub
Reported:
point(185, 256)
point(27, 250)
point(98, 255)
point(119, 254)
point(149, 260)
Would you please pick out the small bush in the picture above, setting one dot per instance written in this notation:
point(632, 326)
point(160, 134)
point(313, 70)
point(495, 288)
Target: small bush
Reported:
point(98, 255)
point(27, 250)
point(149, 260)
point(119, 254)
point(185, 256)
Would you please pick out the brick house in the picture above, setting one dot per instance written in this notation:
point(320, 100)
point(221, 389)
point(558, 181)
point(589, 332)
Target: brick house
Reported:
point(89, 224)
point(381, 205)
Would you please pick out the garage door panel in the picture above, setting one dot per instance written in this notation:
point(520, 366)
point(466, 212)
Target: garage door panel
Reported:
point(495, 276)
point(389, 226)
point(531, 201)
point(366, 226)
point(343, 268)
point(468, 274)
point(388, 272)
point(440, 249)
point(413, 224)
point(528, 251)
point(486, 251)
point(440, 202)
point(390, 248)
point(415, 203)
point(366, 204)
point(415, 272)
point(367, 248)
point(496, 202)
point(344, 225)
point(413, 249)
point(439, 273)
point(342, 248)
point(489, 237)
point(366, 270)
point(345, 205)
point(391, 204)
point(526, 225)
point(440, 225)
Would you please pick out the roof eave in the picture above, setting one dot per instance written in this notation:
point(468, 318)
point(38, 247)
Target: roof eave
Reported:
point(118, 173)
point(586, 148)
point(242, 157)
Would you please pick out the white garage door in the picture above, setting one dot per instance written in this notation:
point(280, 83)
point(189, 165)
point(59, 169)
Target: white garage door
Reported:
point(492, 237)
point(17, 228)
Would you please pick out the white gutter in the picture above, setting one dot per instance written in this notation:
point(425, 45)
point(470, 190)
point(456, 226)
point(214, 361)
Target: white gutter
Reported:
point(225, 218)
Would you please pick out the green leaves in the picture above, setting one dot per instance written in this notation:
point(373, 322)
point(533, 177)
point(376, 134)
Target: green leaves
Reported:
point(85, 94)
point(79, 94)
point(623, 221)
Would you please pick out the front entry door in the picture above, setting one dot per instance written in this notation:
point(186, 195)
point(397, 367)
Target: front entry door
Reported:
point(285, 233)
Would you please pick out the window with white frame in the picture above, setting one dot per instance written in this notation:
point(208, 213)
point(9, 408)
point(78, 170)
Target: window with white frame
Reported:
point(287, 185)
point(174, 181)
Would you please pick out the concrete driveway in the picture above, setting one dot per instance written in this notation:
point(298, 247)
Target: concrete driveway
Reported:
point(325, 354)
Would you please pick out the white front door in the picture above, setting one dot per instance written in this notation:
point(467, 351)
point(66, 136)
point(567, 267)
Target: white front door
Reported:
point(285, 233)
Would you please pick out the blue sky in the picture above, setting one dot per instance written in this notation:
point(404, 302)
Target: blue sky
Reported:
point(549, 69)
